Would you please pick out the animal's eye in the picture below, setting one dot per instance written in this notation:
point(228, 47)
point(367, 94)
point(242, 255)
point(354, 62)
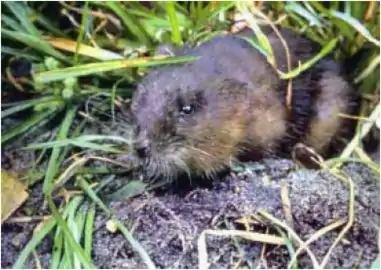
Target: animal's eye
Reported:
point(137, 129)
point(187, 109)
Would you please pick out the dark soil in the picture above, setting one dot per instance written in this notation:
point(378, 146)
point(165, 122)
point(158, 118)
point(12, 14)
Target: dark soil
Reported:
point(169, 225)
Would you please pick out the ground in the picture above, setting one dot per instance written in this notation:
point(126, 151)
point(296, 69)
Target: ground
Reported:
point(168, 223)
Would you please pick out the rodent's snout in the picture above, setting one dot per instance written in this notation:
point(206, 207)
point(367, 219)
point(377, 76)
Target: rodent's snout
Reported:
point(142, 147)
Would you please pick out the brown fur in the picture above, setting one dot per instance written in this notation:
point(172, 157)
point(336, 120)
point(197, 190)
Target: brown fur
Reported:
point(332, 101)
point(237, 106)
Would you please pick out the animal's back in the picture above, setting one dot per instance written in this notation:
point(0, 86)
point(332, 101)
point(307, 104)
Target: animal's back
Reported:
point(231, 103)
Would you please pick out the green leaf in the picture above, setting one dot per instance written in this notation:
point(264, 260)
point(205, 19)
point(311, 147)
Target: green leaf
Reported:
point(344, 29)
point(358, 9)
point(50, 26)
point(129, 21)
point(32, 244)
point(289, 246)
point(309, 63)
point(74, 246)
point(373, 65)
point(171, 12)
point(57, 249)
point(135, 244)
point(20, 11)
point(53, 161)
point(253, 42)
point(81, 32)
point(83, 142)
point(31, 122)
point(89, 229)
point(299, 9)
point(76, 222)
point(133, 188)
point(262, 38)
point(87, 69)
point(97, 147)
point(19, 53)
point(10, 22)
point(91, 193)
point(356, 24)
point(27, 104)
point(34, 42)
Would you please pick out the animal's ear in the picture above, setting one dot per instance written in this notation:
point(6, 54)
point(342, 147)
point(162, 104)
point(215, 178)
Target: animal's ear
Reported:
point(166, 49)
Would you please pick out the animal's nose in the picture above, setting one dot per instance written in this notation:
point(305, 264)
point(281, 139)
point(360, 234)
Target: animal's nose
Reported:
point(142, 147)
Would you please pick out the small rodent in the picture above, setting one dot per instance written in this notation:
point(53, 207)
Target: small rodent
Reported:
point(230, 104)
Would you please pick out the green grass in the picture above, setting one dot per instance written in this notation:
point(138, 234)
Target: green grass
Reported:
point(102, 52)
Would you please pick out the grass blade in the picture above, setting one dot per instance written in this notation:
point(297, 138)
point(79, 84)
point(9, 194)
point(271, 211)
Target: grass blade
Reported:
point(86, 50)
point(34, 42)
point(75, 224)
point(375, 63)
point(53, 164)
point(356, 25)
point(300, 10)
point(171, 12)
point(97, 147)
point(262, 38)
point(57, 249)
point(90, 192)
point(20, 11)
point(32, 244)
point(255, 44)
point(8, 21)
point(129, 22)
point(19, 53)
point(306, 65)
point(89, 227)
point(81, 32)
point(75, 247)
point(87, 69)
point(27, 104)
point(31, 122)
point(83, 142)
point(135, 245)
point(365, 128)
point(67, 142)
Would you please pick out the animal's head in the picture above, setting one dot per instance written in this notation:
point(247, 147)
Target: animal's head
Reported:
point(186, 123)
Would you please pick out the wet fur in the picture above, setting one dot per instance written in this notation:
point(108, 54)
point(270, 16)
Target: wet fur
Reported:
point(239, 106)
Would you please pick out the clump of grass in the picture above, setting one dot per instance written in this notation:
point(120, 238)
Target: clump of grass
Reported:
point(102, 49)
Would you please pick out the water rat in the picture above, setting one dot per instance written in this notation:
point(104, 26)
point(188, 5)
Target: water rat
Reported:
point(231, 104)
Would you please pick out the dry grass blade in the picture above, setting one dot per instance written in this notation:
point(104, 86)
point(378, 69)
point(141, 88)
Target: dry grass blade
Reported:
point(301, 243)
point(86, 50)
point(252, 236)
point(351, 216)
point(286, 204)
point(78, 163)
point(366, 127)
point(316, 236)
point(69, 172)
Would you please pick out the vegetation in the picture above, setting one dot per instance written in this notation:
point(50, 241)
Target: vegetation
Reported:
point(59, 59)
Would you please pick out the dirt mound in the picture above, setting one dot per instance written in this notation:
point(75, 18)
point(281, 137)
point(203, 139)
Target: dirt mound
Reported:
point(168, 226)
